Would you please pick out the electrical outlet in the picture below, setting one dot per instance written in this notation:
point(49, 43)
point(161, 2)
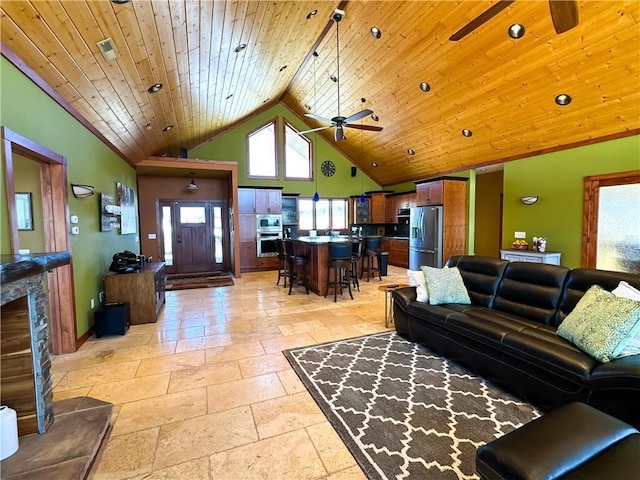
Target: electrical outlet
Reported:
point(101, 296)
point(93, 304)
point(520, 235)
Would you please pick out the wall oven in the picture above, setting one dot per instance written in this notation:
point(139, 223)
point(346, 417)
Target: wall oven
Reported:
point(268, 233)
point(267, 244)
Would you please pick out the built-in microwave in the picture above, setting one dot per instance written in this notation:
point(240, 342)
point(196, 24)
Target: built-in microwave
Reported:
point(269, 223)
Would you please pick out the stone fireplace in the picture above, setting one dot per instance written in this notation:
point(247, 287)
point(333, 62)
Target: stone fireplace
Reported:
point(25, 364)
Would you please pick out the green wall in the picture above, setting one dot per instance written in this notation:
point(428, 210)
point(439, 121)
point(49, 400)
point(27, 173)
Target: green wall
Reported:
point(557, 178)
point(231, 146)
point(27, 110)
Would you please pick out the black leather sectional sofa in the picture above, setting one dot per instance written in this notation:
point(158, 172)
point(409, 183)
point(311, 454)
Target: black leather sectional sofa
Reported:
point(508, 333)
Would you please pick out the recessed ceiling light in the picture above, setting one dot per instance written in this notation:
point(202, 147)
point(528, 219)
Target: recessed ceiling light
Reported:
point(312, 14)
point(411, 151)
point(425, 87)
point(156, 87)
point(467, 133)
point(283, 67)
point(375, 32)
point(516, 31)
point(374, 117)
point(563, 99)
point(147, 126)
point(333, 78)
point(120, 2)
point(374, 164)
point(229, 96)
point(240, 47)
point(266, 100)
point(307, 106)
point(167, 128)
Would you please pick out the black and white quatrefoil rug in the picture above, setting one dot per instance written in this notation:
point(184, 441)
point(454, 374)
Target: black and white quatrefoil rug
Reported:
point(402, 410)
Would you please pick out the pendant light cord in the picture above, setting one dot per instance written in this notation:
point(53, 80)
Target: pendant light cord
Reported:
point(338, 61)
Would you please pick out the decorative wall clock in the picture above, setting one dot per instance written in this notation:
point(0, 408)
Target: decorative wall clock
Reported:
point(328, 168)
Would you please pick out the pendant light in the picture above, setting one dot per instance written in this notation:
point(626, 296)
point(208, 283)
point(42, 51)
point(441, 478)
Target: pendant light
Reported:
point(316, 196)
point(192, 185)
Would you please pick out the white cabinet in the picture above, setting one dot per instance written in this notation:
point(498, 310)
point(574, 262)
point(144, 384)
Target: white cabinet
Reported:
point(552, 258)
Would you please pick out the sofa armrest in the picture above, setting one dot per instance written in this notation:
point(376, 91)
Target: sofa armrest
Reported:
point(404, 296)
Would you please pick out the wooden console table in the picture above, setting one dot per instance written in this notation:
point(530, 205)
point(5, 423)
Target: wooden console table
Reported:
point(143, 291)
point(552, 258)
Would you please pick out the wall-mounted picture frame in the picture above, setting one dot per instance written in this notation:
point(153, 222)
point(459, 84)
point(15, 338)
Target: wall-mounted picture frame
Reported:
point(128, 220)
point(24, 210)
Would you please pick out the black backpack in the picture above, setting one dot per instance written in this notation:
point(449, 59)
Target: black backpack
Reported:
point(124, 262)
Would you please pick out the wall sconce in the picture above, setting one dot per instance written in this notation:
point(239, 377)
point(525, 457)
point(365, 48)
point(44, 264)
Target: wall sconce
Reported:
point(530, 200)
point(81, 191)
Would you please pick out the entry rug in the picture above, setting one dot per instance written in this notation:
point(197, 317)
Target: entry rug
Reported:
point(404, 411)
point(183, 281)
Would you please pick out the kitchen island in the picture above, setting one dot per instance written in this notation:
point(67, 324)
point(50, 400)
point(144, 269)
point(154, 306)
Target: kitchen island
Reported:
point(317, 250)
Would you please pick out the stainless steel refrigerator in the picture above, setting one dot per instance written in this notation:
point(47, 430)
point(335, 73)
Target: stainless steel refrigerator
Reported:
point(425, 237)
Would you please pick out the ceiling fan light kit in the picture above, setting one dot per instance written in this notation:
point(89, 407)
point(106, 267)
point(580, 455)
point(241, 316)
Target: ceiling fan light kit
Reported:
point(339, 121)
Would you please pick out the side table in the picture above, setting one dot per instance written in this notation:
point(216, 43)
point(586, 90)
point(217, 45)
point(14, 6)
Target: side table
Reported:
point(388, 301)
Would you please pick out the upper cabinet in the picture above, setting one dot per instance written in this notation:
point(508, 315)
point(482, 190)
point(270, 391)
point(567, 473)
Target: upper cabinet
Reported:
point(430, 193)
point(289, 209)
point(378, 210)
point(396, 203)
point(259, 200)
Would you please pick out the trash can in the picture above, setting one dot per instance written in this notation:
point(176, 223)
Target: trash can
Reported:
point(384, 261)
point(113, 320)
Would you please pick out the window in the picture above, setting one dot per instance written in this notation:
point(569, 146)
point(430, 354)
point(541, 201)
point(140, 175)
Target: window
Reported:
point(261, 152)
point(325, 213)
point(297, 154)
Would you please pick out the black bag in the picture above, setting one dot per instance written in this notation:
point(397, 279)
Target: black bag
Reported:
point(124, 262)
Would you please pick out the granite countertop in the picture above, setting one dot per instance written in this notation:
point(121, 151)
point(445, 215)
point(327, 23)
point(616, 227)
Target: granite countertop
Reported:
point(323, 239)
point(397, 237)
point(15, 267)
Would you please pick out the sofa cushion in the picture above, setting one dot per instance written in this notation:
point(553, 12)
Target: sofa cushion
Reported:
point(601, 324)
point(445, 285)
point(531, 290)
point(481, 276)
point(416, 279)
point(579, 280)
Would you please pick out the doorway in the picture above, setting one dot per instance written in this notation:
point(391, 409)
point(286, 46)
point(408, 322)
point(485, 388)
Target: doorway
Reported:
point(611, 230)
point(56, 238)
point(193, 236)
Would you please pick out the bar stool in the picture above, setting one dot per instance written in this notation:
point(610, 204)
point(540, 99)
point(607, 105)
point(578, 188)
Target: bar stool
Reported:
point(282, 263)
point(372, 247)
point(356, 255)
point(296, 263)
point(340, 260)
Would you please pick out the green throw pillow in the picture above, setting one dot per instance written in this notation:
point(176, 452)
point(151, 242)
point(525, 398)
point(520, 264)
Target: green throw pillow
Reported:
point(601, 324)
point(445, 285)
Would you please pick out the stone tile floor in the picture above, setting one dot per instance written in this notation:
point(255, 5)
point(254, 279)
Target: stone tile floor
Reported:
point(205, 393)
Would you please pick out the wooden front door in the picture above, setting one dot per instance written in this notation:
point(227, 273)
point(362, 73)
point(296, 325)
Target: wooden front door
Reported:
point(194, 236)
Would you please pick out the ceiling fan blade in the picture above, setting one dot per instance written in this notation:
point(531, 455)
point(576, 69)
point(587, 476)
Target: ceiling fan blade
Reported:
point(373, 128)
point(564, 14)
point(317, 117)
point(315, 129)
point(358, 116)
point(482, 19)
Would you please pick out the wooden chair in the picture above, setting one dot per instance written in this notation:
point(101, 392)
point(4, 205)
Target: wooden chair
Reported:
point(341, 261)
point(297, 266)
point(372, 247)
point(282, 263)
point(356, 255)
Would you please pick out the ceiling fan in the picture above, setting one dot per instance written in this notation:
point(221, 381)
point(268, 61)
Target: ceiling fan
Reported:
point(564, 14)
point(339, 121)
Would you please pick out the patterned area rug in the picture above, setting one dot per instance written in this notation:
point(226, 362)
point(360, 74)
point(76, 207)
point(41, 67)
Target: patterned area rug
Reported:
point(184, 281)
point(404, 411)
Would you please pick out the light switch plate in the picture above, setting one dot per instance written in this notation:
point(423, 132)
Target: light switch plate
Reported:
point(74, 218)
point(75, 230)
point(151, 236)
point(520, 235)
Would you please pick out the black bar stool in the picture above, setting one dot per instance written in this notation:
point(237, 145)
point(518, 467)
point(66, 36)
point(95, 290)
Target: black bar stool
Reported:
point(356, 255)
point(340, 260)
point(372, 248)
point(282, 263)
point(297, 266)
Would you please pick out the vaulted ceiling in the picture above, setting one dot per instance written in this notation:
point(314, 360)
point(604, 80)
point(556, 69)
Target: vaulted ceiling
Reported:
point(501, 89)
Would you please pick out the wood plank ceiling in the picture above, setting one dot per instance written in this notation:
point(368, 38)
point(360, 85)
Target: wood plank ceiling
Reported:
point(501, 89)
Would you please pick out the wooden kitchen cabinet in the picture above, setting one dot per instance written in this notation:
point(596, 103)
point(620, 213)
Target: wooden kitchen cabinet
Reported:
point(268, 200)
point(398, 249)
point(430, 193)
point(378, 210)
point(143, 291)
point(246, 200)
point(397, 202)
